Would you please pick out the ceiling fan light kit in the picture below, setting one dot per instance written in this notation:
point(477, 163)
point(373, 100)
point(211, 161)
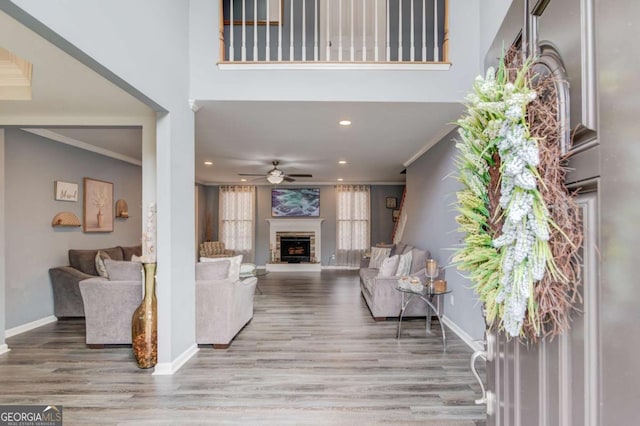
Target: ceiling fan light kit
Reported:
point(276, 176)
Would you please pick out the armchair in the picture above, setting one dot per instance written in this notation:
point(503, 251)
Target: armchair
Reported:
point(215, 249)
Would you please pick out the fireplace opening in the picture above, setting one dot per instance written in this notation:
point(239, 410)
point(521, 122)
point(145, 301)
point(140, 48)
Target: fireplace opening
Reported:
point(295, 249)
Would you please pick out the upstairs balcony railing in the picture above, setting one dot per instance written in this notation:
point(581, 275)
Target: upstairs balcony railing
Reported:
point(334, 32)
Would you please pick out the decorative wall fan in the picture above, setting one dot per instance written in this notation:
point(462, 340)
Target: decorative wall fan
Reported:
point(276, 175)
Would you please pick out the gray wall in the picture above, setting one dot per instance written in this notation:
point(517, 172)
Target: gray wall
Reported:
point(32, 165)
point(431, 225)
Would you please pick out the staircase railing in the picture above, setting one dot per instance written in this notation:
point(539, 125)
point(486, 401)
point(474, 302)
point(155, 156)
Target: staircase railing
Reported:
point(334, 31)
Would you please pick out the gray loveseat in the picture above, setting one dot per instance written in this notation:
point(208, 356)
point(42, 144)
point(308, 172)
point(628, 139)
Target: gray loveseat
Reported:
point(380, 293)
point(65, 280)
point(223, 305)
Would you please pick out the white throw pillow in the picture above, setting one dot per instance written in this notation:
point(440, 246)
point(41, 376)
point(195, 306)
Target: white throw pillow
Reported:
point(99, 261)
point(389, 266)
point(234, 266)
point(378, 255)
point(404, 264)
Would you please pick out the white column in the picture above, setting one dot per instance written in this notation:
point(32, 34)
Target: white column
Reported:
point(3, 346)
point(175, 238)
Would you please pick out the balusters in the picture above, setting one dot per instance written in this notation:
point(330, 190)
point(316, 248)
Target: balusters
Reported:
point(255, 30)
point(279, 30)
point(364, 30)
point(388, 35)
point(352, 50)
point(424, 31)
point(399, 30)
point(244, 32)
point(339, 30)
point(368, 16)
point(412, 50)
point(328, 47)
point(232, 55)
point(291, 31)
point(267, 47)
point(436, 54)
point(304, 30)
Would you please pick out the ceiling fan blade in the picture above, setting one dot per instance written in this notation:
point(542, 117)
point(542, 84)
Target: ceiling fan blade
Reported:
point(289, 179)
point(300, 175)
point(251, 174)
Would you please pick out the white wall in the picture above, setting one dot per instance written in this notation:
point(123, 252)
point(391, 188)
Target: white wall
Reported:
point(32, 165)
point(208, 82)
point(492, 13)
point(431, 225)
point(145, 43)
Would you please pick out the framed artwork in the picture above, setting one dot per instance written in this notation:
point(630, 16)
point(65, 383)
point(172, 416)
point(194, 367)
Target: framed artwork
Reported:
point(392, 202)
point(65, 191)
point(98, 206)
point(396, 215)
point(294, 202)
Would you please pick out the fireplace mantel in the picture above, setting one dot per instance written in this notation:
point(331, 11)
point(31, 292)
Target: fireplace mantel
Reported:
point(311, 225)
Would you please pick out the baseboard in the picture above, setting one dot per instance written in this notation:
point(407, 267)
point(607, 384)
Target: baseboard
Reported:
point(475, 345)
point(4, 349)
point(349, 268)
point(29, 326)
point(170, 368)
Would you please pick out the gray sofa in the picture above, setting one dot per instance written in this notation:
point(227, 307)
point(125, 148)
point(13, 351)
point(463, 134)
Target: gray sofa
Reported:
point(65, 280)
point(380, 293)
point(223, 305)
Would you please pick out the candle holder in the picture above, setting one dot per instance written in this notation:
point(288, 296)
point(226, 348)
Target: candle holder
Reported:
point(431, 271)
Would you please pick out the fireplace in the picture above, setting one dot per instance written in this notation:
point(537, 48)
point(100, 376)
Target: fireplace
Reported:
point(295, 249)
point(298, 254)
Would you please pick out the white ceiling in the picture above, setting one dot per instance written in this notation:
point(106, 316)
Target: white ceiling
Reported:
point(239, 137)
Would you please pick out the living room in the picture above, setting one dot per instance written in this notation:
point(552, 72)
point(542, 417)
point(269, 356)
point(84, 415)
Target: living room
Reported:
point(163, 59)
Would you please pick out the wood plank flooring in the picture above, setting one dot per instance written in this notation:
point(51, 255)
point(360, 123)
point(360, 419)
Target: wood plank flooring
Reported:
point(312, 355)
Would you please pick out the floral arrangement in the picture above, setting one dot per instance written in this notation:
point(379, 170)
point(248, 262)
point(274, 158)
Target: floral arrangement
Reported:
point(149, 236)
point(510, 231)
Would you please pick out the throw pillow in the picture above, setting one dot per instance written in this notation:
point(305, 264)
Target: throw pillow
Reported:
point(404, 264)
point(100, 268)
point(378, 255)
point(389, 266)
point(234, 266)
point(122, 270)
point(212, 270)
point(419, 259)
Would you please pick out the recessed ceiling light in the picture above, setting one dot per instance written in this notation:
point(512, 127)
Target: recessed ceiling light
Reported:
point(345, 122)
point(243, 180)
point(340, 179)
point(342, 162)
point(208, 163)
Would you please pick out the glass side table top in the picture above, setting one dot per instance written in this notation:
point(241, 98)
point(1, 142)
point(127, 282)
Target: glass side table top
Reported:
point(254, 273)
point(424, 291)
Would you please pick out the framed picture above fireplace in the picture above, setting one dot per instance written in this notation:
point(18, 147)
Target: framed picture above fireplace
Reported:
point(295, 202)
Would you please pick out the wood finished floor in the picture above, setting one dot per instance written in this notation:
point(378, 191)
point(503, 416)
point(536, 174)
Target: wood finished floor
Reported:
point(312, 355)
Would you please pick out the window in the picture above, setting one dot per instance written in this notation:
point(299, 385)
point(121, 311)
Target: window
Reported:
point(237, 214)
point(353, 229)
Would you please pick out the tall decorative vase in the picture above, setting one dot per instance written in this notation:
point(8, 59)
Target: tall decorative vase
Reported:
point(144, 324)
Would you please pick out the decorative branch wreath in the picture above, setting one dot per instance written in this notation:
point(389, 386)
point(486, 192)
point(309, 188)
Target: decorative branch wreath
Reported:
point(522, 225)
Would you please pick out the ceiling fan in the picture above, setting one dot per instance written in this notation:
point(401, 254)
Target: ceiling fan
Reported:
point(276, 175)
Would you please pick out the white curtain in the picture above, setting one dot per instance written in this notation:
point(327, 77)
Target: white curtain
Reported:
point(353, 224)
point(237, 219)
